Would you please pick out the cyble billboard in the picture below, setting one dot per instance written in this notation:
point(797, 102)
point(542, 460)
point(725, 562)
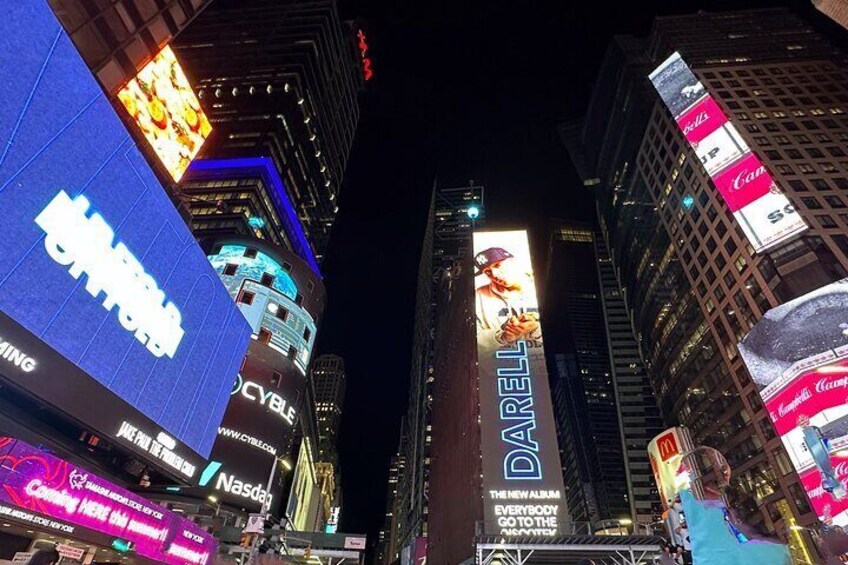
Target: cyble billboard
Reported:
point(259, 425)
point(798, 357)
point(41, 490)
point(110, 310)
point(163, 105)
point(763, 212)
point(522, 476)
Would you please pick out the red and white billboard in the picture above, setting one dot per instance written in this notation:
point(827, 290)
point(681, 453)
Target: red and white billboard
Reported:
point(798, 357)
point(763, 212)
point(666, 455)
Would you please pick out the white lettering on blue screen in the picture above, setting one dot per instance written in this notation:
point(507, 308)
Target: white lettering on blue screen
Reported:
point(85, 245)
point(516, 409)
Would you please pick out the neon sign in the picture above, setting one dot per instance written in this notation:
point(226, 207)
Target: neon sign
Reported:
point(40, 488)
point(85, 245)
point(516, 393)
point(363, 53)
point(257, 393)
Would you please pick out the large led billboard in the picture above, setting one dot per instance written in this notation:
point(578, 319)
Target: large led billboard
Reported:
point(260, 423)
point(763, 212)
point(109, 310)
point(522, 477)
point(277, 291)
point(40, 490)
point(798, 357)
point(163, 105)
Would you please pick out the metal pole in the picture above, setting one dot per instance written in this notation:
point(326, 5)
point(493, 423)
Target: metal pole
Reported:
point(266, 503)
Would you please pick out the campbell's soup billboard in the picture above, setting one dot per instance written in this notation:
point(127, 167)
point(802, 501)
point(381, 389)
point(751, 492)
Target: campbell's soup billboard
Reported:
point(763, 212)
point(798, 357)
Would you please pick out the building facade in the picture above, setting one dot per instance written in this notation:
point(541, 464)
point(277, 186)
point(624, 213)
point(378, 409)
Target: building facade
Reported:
point(328, 380)
point(575, 331)
point(691, 280)
point(280, 84)
point(116, 39)
point(605, 407)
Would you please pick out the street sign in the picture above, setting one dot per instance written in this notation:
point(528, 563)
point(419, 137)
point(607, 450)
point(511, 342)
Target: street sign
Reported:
point(255, 524)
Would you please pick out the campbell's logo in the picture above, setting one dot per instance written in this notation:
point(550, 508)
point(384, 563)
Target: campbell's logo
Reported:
point(699, 120)
point(745, 177)
point(800, 398)
point(824, 385)
point(841, 469)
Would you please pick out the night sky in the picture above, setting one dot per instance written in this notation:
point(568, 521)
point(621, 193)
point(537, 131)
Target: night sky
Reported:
point(461, 91)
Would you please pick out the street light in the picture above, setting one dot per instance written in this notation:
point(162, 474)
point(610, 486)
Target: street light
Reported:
point(266, 503)
point(473, 212)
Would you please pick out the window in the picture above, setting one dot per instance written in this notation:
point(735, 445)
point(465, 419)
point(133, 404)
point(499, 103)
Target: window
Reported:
point(287, 267)
point(307, 333)
point(292, 352)
point(282, 313)
point(267, 280)
point(834, 202)
point(298, 299)
point(246, 297)
point(264, 336)
point(806, 168)
point(798, 186)
point(276, 379)
point(825, 221)
point(250, 253)
point(781, 140)
point(230, 269)
point(785, 170)
point(815, 153)
point(811, 203)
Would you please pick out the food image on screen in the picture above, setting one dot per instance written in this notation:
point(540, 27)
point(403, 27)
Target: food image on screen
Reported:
point(163, 105)
point(798, 357)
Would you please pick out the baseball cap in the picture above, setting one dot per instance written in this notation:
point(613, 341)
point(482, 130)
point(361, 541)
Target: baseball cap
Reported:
point(490, 256)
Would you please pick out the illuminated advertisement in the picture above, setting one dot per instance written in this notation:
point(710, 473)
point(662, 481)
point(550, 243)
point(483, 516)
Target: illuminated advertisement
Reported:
point(798, 357)
point(259, 425)
point(109, 310)
point(279, 294)
point(666, 455)
point(522, 477)
point(163, 105)
point(39, 489)
point(763, 212)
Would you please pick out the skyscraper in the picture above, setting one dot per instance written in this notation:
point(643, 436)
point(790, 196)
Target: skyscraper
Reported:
point(447, 238)
point(117, 38)
point(605, 407)
point(328, 380)
point(280, 82)
point(692, 282)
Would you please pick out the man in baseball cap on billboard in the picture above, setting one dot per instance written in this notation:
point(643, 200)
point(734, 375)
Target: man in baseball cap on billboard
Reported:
point(507, 309)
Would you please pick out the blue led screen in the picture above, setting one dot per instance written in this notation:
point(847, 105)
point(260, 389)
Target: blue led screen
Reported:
point(95, 261)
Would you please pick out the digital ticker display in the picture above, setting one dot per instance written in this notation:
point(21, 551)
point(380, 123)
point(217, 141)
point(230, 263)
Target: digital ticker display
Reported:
point(522, 476)
point(110, 310)
point(763, 212)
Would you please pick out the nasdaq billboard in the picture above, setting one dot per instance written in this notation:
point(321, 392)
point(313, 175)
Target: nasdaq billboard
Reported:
point(522, 476)
point(113, 312)
point(763, 212)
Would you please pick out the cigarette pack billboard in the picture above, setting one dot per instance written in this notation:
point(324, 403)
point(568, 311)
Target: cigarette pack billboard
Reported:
point(163, 105)
point(798, 357)
point(763, 212)
point(522, 476)
point(41, 490)
point(109, 309)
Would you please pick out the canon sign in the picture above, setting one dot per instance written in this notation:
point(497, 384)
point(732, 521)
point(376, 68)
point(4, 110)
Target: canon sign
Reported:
point(255, 392)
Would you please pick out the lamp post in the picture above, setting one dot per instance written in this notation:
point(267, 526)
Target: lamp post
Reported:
point(266, 504)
